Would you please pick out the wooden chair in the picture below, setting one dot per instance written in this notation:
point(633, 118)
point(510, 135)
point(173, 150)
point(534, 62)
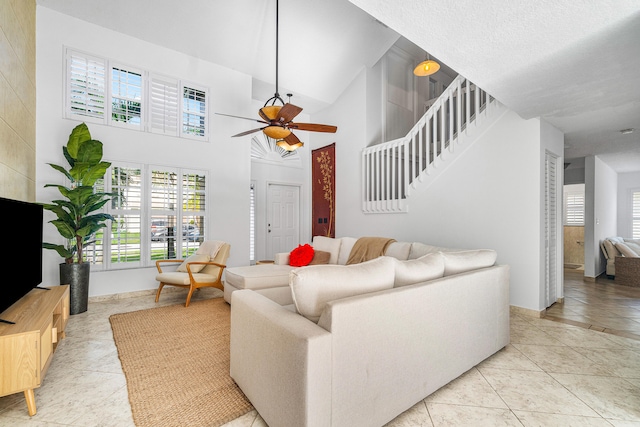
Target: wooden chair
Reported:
point(209, 276)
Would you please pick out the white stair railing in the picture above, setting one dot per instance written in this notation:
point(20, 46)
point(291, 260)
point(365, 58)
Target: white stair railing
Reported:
point(392, 169)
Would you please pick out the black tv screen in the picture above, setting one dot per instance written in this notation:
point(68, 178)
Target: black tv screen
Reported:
point(21, 248)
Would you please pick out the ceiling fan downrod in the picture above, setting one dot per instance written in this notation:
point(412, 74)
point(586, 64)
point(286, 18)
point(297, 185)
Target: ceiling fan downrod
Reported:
point(276, 96)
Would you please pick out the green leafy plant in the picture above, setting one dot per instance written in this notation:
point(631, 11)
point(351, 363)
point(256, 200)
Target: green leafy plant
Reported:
point(75, 221)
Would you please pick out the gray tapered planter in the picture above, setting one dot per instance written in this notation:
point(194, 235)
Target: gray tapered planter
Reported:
point(77, 277)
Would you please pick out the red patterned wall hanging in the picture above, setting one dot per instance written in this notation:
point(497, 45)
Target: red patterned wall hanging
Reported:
point(323, 191)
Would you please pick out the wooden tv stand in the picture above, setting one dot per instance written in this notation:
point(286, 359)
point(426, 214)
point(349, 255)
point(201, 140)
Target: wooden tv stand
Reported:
point(27, 347)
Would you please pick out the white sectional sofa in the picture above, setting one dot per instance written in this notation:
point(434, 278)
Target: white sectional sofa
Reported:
point(362, 343)
point(272, 280)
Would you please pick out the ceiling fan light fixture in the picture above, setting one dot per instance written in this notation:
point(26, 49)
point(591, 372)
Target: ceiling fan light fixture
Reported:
point(426, 68)
point(289, 147)
point(276, 132)
point(271, 111)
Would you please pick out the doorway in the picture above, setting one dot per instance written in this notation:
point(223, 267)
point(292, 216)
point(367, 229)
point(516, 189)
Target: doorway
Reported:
point(283, 218)
point(574, 227)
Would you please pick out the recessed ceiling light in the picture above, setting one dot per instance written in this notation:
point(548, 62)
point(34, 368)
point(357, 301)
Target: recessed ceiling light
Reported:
point(627, 131)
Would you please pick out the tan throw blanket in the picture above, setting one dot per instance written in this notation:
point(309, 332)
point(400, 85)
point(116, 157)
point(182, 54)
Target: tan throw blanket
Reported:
point(367, 248)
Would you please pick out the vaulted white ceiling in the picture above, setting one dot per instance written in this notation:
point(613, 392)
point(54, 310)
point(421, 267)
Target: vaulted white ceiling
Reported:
point(575, 63)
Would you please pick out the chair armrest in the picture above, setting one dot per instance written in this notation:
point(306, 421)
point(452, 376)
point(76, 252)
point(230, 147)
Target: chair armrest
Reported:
point(189, 264)
point(167, 261)
point(281, 258)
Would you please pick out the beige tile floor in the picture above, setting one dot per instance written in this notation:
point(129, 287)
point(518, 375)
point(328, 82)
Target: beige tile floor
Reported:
point(552, 373)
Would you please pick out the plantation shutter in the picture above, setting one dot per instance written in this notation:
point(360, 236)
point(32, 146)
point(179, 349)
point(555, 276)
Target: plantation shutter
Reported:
point(86, 94)
point(635, 203)
point(164, 100)
point(574, 208)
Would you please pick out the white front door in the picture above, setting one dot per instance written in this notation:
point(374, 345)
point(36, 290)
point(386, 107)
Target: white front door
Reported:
point(283, 218)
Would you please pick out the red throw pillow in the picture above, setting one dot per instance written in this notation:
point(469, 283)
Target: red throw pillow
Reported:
point(301, 256)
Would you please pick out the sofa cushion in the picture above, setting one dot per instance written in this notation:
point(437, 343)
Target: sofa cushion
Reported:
point(314, 286)
point(461, 261)
point(427, 267)
point(399, 250)
point(627, 250)
point(345, 249)
point(196, 268)
point(328, 244)
point(634, 246)
point(258, 276)
point(301, 256)
point(420, 249)
point(320, 257)
point(610, 248)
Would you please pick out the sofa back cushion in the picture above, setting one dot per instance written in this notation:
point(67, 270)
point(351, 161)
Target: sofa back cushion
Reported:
point(328, 244)
point(314, 286)
point(461, 261)
point(427, 267)
point(399, 250)
point(629, 249)
point(610, 250)
point(345, 249)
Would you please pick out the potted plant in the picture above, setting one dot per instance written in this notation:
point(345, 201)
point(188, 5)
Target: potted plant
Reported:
point(75, 221)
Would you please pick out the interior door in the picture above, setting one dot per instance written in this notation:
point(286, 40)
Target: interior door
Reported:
point(283, 218)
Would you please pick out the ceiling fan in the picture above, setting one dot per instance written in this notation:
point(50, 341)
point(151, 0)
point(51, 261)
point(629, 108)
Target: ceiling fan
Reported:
point(277, 120)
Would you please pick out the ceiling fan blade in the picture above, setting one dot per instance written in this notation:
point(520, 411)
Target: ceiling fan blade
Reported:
point(247, 132)
point(287, 113)
point(244, 118)
point(292, 139)
point(313, 127)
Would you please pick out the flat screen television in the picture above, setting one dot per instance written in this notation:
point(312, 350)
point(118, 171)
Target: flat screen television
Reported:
point(20, 249)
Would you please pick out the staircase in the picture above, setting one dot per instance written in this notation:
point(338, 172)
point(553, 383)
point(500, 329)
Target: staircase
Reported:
point(391, 170)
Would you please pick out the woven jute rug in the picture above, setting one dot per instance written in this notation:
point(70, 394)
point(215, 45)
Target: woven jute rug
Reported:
point(176, 361)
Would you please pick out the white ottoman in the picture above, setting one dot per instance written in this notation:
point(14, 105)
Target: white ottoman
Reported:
point(271, 280)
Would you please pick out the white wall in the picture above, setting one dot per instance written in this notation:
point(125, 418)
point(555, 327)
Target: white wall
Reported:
point(601, 193)
point(627, 183)
point(227, 162)
point(489, 198)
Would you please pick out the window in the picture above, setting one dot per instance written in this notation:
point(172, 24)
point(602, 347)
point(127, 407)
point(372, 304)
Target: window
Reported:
point(574, 205)
point(136, 99)
point(194, 112)
point(151, 203)
point(164, 107)
point(126, 97)
point(126, 230)
point(86, 86)
point(635, 215)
